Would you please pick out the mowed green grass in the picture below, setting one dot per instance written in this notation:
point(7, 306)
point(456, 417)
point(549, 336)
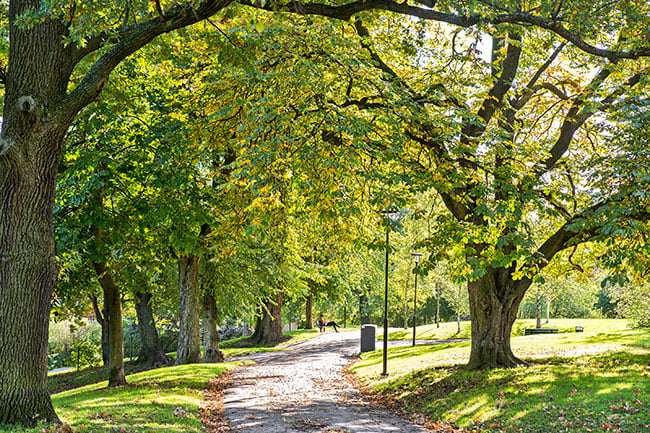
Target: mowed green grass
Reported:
point(241, 346)
point(596, 381)
point(230, 348)
point(449, 330)
point(161, 400)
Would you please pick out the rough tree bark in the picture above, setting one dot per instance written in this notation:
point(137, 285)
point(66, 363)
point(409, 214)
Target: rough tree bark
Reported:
point(189, 336)
point(151, 352)
point(30, 146)
point(494, 301)
point(113, 308)
point(211, 352)
point(100, 315)
point(189, 332)
point(268, 328)
point(309, 308)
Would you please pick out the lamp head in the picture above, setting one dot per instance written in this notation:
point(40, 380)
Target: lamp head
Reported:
point(416, 257)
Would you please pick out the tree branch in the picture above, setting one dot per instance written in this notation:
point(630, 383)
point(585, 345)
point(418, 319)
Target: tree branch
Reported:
point(128, 40)
point(546, 65)
point(506, 74)
point(529, 93)
point(566, 236)
point(346, 11)
point(578, 115)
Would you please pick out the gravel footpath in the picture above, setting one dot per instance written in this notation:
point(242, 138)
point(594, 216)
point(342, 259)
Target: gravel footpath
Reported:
point(303, 390)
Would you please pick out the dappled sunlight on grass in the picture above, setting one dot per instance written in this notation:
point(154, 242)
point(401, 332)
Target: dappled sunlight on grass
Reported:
point(596, 381)
point(449, 330)
point(160, 400)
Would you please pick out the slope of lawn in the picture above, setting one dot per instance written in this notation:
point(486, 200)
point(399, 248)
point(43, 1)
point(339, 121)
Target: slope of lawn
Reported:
point(596, 381)
point(161, 400)
point(73, 379)
point(449, 330)
point(242, 345)
point(238, 346)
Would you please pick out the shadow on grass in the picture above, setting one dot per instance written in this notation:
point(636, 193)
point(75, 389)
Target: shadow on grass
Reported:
point(165, 399)
point(74, 379)
point(589, 393)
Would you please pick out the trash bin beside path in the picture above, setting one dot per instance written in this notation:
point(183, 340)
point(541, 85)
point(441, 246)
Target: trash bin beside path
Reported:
point(368, 338)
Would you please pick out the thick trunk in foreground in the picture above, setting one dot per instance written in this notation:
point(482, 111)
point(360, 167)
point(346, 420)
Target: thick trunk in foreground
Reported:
point(113, 315)
point(494, 301)
point(211, 352)
point(309, 307)
point(189, 335)
point(30, 145)
point(27, 276)
point(268, 328)
point(100, 315)
point(151, 352)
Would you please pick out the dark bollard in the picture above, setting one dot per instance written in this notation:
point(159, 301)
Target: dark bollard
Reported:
point(368, 338)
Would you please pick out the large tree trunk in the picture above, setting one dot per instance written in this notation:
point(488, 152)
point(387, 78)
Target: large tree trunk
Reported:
point(30, 146)
point(27, 274)
point(548, 309)
point(113, 315)
point(268, 328)
point(211, 352)
point(189, 335)
point(309, 308)
point(100, 315)
point(151, 352)
point(494, 301)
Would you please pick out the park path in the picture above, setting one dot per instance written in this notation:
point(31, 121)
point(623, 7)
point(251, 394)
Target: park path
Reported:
point(303, 390)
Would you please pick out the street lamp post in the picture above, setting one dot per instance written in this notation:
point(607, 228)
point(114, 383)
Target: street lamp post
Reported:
point(393, 215)
point(416, 259)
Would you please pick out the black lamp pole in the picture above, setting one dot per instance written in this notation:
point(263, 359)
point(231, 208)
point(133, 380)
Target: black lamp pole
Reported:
point(385, 361)
point(416, 258)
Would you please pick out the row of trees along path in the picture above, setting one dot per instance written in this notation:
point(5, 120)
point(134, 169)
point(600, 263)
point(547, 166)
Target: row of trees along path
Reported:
point(50, 77)
point(302, 389)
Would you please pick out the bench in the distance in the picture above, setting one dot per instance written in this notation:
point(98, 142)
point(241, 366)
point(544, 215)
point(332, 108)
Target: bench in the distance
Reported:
point(532, 331)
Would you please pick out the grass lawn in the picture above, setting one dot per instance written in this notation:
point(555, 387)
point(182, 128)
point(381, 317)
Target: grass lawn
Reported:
point(596, 381)
point(160, 400)
point(239, 346)
point(242, 346)
point(73, 379)
point(449, 330)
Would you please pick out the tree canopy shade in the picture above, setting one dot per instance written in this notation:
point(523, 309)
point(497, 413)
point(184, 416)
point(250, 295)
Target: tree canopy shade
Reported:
point(520, 154)
point(60, 56)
